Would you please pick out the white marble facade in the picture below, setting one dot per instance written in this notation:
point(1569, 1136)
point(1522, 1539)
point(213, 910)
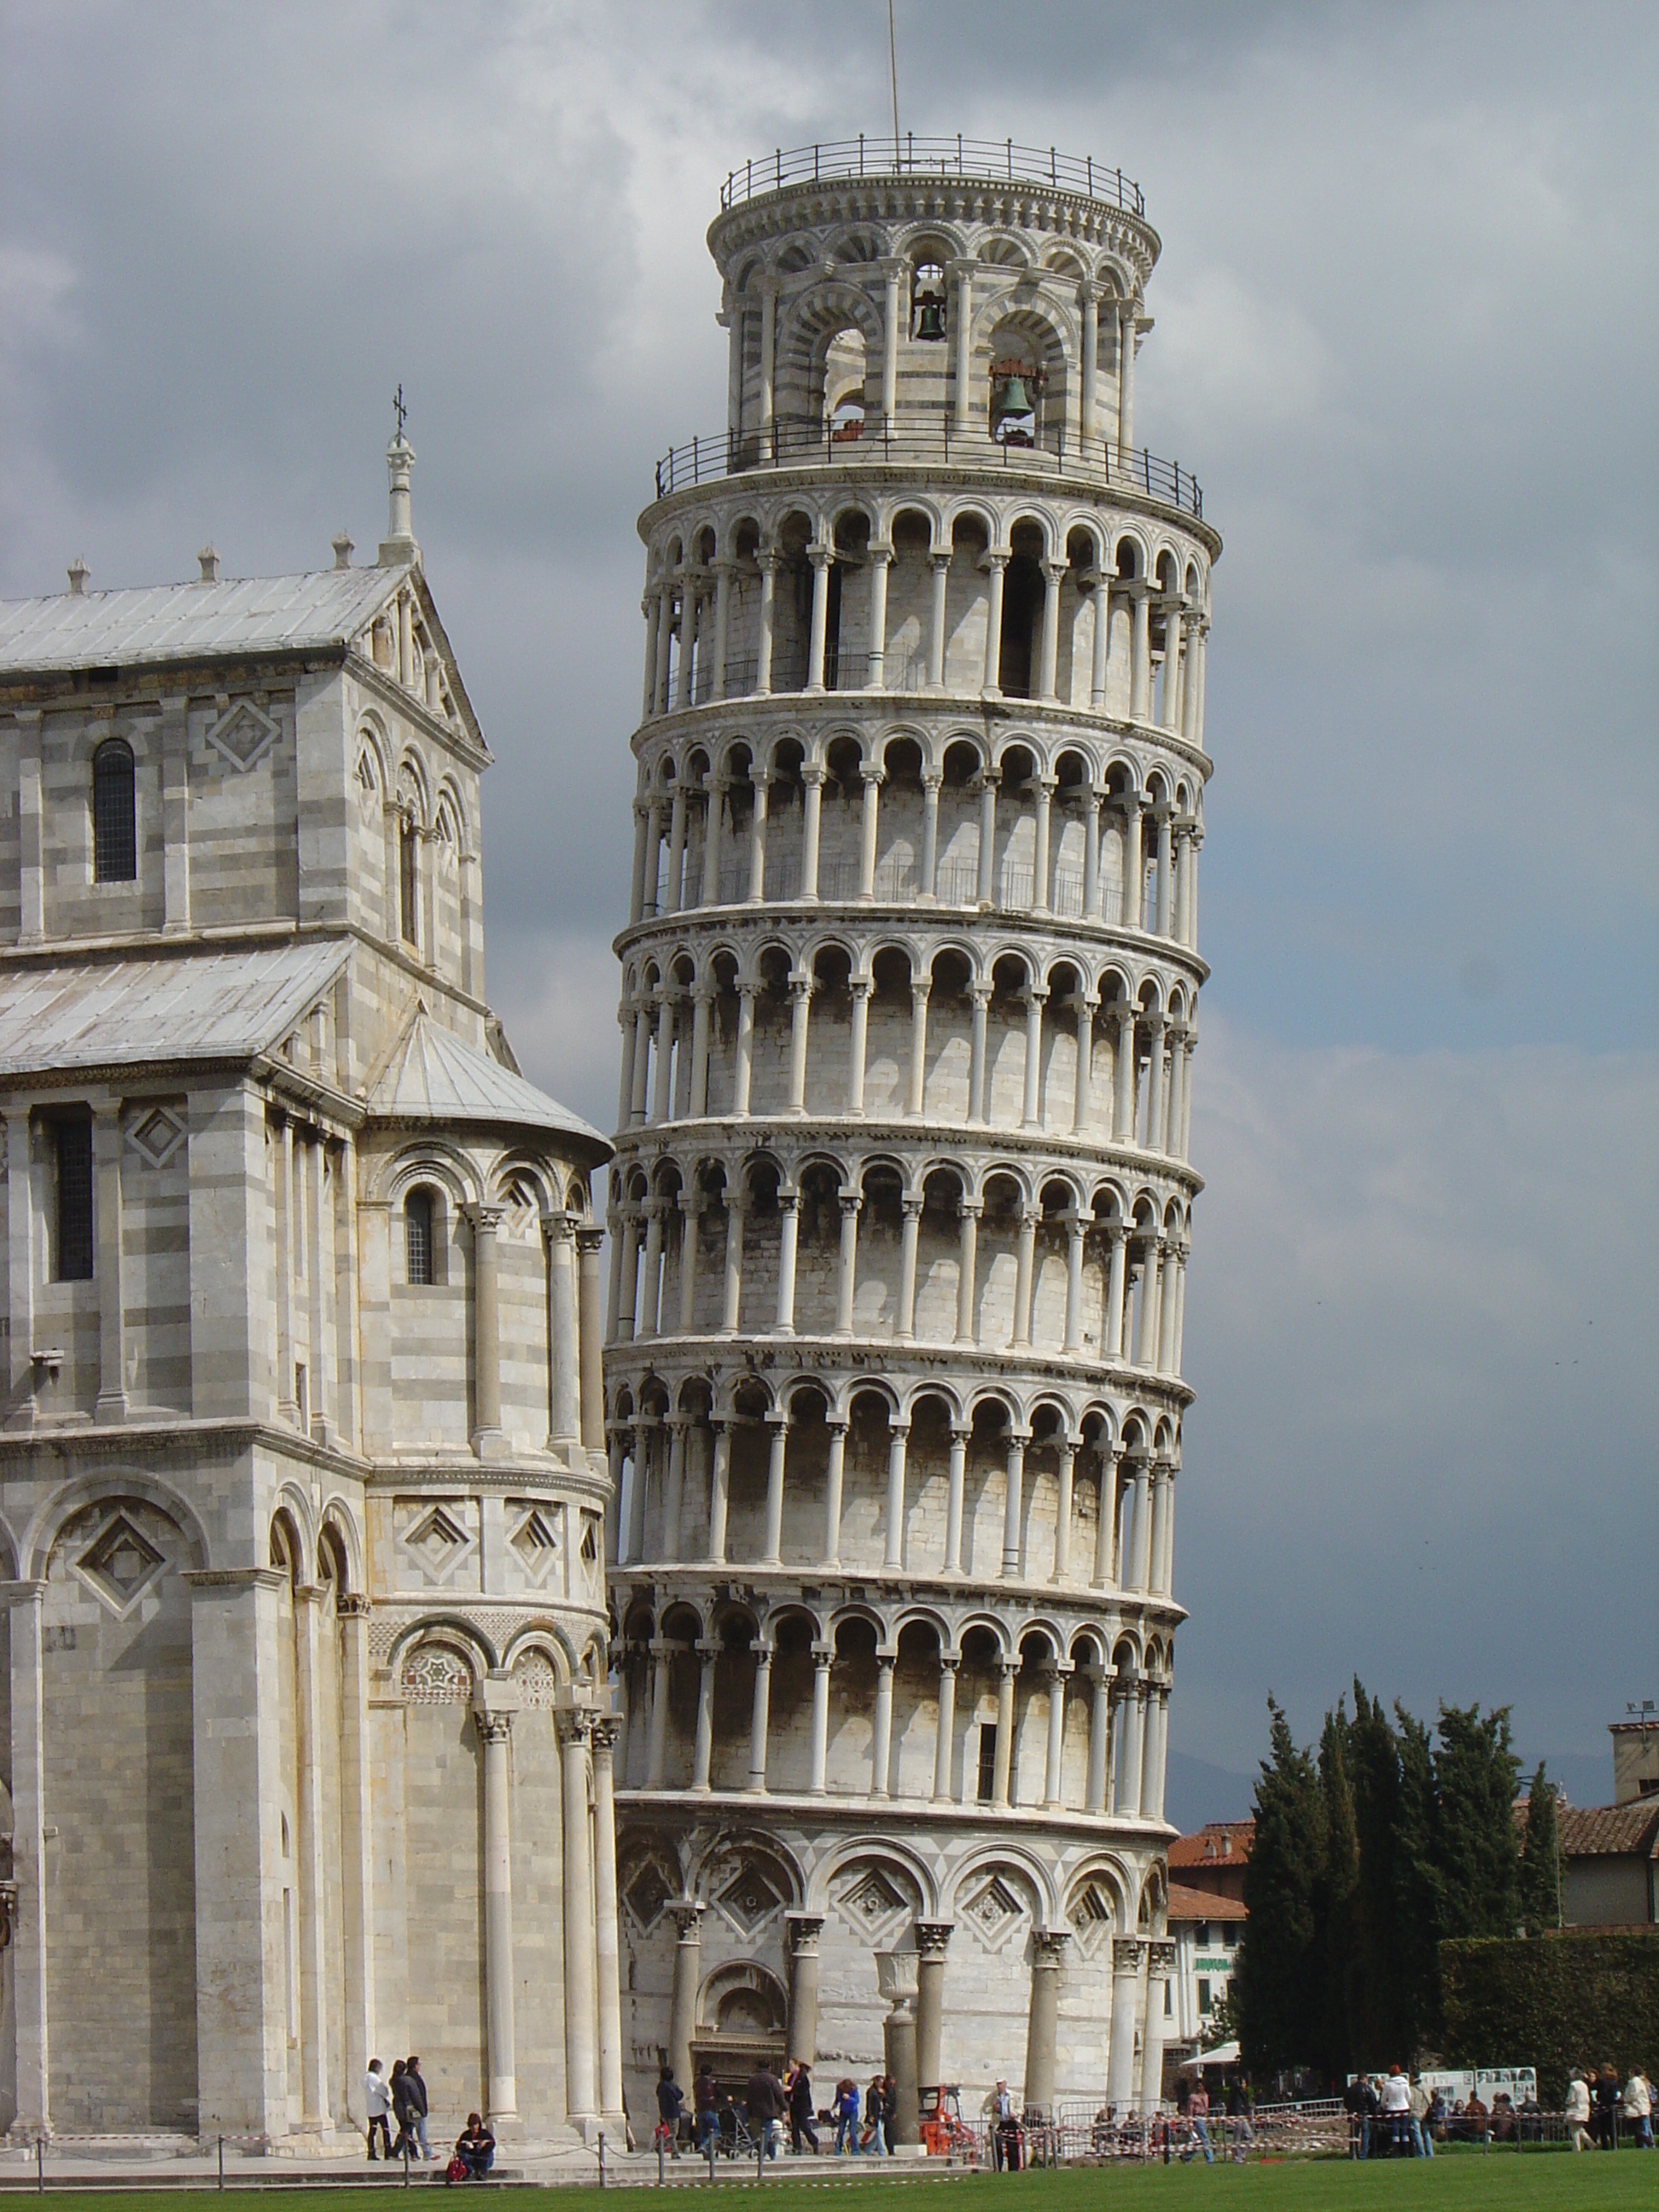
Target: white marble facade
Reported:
point(301, 1477)
point(902, 1201)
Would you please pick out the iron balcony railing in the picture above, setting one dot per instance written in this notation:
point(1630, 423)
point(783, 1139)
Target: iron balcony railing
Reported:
point(996, 160)
point(790, 443)
point(898, 882)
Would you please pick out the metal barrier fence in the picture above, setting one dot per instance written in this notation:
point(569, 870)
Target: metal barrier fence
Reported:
point(997, 160)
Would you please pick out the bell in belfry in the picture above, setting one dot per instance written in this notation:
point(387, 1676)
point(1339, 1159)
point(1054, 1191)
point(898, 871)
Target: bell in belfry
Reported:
point(1015, 399)
point(930, 316)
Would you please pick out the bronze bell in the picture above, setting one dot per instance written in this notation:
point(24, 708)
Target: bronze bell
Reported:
point(1015, 399)
point(930, 316)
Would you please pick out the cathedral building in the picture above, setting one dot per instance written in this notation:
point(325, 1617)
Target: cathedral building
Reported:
point(303, 1479)
point(901, 1203)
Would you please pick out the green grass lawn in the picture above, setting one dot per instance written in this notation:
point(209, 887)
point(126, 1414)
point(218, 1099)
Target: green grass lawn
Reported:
point(1547, 2180)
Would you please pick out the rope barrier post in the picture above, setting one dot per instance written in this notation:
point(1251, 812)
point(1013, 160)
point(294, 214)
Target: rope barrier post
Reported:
point(405, 2159)
point(602, 2158)
point(222, 2161)
point(662, 2153)
point(40, 2165)
point(760, 2153)
point(710, 2136)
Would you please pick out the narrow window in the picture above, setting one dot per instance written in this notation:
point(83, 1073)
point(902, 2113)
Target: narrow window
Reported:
point(300, 1380)
point(417, 1235)
point(987, 1760)
point(409, 883)
point(74, 1140)
point(1203, 1997)
point(114, 820)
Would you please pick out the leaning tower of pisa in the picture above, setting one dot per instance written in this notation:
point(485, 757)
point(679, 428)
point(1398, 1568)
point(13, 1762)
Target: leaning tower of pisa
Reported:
point(900, 1211)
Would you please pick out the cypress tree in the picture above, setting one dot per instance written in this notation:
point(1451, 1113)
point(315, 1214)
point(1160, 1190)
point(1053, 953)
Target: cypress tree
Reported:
point(1335, 1904)
point(1276, 1983)
point(1541, 1873)
point(1382, 2011)
point(1417, 1906)
point(1475, 1772)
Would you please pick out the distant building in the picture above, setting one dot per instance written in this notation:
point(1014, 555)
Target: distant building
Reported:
point(1635, 1760)
point(1215, 1860)
point(1207, 1927)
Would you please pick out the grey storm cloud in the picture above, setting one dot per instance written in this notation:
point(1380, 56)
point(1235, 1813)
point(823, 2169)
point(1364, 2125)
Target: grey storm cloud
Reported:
point(1405, 336)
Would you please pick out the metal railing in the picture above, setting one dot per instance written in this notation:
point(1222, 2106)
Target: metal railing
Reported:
point(955, 885)
point(989, 160)
point(793, 442)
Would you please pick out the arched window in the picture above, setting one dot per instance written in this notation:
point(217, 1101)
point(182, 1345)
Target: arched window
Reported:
point(114, 814)
point(409, 881)
point(417, 1237)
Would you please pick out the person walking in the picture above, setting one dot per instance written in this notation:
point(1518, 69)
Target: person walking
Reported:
point(377, 2103)
point(801, 2114)
point(1197, 2123)
point(671, 2100)
point(847, 2116)
point(1422, 2141)
point(403, 2109)
point(1239, 2130)
point(1606, 2130)
point(1638, 2109)
point(705, 2109)
point(1395, 2108)
point(1577, 2112)
point(417, 2081)
point(764, 2097)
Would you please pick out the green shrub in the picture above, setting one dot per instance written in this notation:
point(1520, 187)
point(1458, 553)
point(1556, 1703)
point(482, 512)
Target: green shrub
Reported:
point(1565, 1999)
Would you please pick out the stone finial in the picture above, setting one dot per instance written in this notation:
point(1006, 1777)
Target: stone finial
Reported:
point(210, 563)
point(78, 573)
point(399, 546)
point(343, 548)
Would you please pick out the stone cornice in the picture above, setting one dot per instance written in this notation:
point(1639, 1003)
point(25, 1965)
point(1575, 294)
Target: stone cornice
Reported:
point(981, 1822)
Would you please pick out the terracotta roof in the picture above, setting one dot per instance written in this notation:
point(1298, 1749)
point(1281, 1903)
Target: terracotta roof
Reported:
point(1218, 1843)
point(1609, 1831)
point(1203, 1905)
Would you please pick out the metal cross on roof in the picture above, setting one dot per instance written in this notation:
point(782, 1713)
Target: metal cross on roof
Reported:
point(399, 409)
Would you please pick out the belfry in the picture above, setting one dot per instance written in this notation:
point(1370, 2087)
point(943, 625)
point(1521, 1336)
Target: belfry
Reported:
point(901, 1205)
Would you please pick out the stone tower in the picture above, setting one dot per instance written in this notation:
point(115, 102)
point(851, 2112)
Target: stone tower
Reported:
point(901, 1205)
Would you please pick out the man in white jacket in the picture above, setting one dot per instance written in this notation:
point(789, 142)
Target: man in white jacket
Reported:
point(1638, 2108)
point(1577, 2112)
point(377, 2102)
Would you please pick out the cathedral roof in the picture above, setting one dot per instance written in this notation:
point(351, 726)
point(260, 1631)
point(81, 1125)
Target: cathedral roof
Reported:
point(86, 1013)
point(183, 622)
point(430, 1075)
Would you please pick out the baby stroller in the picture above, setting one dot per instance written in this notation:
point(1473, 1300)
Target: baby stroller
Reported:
point(737, 2139)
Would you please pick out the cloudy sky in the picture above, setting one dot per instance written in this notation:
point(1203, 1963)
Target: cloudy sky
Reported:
point(1405, 336)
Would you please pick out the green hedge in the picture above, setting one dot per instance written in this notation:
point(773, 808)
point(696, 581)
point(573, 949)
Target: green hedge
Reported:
point(1554, 2001)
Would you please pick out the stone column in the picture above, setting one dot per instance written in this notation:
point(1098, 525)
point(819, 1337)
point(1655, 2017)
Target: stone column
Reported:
point(803, 1931)
point(757, 784)
point(736, 1205)
point(788, 1236)
point(759, 1715)
point(1075, 1235)
point(28, 1787)
point(1048, 1951)
point(1121, 2046)
point(493, 1718)
point(640, 1061)
point(1126, 381)
point(769, 564)
point(1006, 1670)
point(688, 1206)
point(719, 1480)
point(1054, 1678)
point(1094, 1794)
point(1025, 1276)
point(967, 1215)
point(657, 1739)
point(580, 1961)
point(674, 899)
point(1089, 313)
point(607, 1944)
point(1155, 1697)
point(821, 557)
point(651, 1288)
point(976, 1069)
point(834, 1478)
point(713, 822)
point(688, 1972)
point(823, 1656)
point(636, 897)
point(933, 1939)
point(1160, 1512)
point(589, 1336)
point(1123, 1074)
point(909, 1238)
point(927, 890)
point(1036, 998)
point(1117, 1264)
point(941, 568)
point(1131, 1739)
point(1139, 1564)
point(241, 2010)
point(778, 1446)
point(673, 1503)
point(916, 1078)
point(898, 1436)
point(945, 1733)
point(107, 1249)
point(703, 1749)
point(1013, 1501)
point(769, 307)
point(356, 1844)
point(997, 563)
point(881, 1745)
point(1160, 1961)
point(1066, 1448)
point(891, 273)
point(956, 1485)
point(962, 320)
point(1049, 642)
point(801, 1006)
point(1140, 663)
point(722, 619)
point(311, 1868)
point(565, 1394)
point(873, 777)
point(861, 988)
point(811, 824)
point(487, 1439)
